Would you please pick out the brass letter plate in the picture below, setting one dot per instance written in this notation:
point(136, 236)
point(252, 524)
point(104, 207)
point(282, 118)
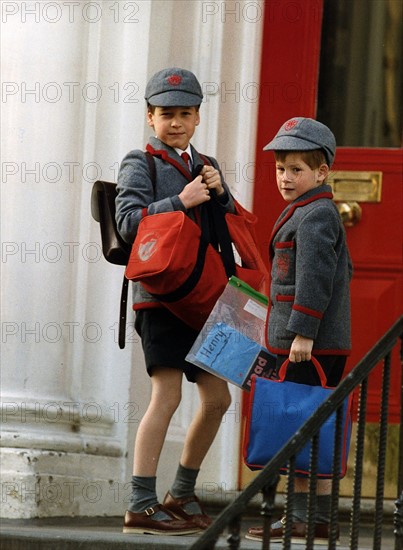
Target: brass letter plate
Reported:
point(356, 186)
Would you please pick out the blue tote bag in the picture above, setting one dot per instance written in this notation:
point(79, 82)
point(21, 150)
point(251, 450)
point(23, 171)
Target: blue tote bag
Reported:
point(277, 409)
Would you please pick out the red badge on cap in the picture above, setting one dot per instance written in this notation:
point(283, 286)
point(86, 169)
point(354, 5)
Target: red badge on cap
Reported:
point(174, 80)
point(290, 125)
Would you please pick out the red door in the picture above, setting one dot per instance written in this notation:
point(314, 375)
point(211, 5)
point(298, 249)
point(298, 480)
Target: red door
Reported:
point(311, 66)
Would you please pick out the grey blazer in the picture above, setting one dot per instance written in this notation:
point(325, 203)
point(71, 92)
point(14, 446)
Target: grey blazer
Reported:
point(311, 273)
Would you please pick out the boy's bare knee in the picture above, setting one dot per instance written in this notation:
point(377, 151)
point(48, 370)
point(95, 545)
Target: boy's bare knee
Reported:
point(168, 405)
point(172, 404)
point(217, 406)
point(227, 400)
point(224, 401)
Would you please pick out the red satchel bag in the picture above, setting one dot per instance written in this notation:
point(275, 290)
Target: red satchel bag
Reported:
point(176, 263)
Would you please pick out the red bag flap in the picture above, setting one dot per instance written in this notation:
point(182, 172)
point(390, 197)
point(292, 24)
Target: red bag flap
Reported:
point(158, 249)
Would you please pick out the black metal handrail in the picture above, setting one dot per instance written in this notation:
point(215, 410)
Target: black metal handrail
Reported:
point(266, 481)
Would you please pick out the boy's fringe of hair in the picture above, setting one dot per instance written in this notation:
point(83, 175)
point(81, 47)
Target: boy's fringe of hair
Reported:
point(313, 159)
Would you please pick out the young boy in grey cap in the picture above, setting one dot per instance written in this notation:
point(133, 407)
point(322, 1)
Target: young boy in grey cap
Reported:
point(182, 182)
point(310, 284)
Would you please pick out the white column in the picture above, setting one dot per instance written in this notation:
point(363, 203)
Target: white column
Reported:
point(70, 108)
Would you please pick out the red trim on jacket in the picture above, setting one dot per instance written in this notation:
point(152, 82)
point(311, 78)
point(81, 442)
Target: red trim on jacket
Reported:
point(285, 244)
point(308, 311)
point(165, 156)
point(291, 212)
point(205, 160)
point(144, 212)
point(284, 298)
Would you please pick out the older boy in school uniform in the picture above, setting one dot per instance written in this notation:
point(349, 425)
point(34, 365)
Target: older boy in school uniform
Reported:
point(310, 294)
point(182, 182)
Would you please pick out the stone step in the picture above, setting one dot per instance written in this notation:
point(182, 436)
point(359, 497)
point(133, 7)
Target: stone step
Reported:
point(106, 534)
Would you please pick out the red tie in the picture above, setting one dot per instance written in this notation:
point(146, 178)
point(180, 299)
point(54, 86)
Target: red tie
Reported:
point(186, 158)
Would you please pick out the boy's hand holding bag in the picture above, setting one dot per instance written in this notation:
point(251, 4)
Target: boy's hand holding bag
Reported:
point(278, 408)
point(174, 259)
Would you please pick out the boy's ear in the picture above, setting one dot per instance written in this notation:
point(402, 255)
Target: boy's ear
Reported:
point(150, 119)
point(323, 172)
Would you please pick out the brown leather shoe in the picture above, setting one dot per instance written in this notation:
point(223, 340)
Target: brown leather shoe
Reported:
point(298, 533)
point(142, 523)
point(175, 505)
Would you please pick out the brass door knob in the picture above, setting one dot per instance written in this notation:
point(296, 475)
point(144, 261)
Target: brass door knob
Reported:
point(350, 212)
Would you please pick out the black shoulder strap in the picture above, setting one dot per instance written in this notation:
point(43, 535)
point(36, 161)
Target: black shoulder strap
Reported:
point(123, 313)
point(221, 228)
point(151, 167)
point(125, 284)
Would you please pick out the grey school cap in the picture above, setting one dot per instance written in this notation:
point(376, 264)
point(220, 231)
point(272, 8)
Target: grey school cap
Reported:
point(174, 87)
point(304, 134)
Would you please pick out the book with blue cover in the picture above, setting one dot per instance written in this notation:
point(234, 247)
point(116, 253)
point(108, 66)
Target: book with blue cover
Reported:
point(231, 355)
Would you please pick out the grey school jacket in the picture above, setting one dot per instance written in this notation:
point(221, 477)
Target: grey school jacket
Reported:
point(137, 197)
point(311, 273)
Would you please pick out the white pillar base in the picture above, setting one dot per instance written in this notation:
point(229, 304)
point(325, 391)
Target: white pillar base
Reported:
point(61, 465)
point(41, 483)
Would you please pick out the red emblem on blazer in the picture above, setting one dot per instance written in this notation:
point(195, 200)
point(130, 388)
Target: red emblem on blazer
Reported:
point(174, 80)
point(290, 125)
point(283, 265)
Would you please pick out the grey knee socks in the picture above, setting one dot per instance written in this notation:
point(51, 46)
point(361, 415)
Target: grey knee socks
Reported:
point(300, 511)
point(323, 506)
point(184, 486)
point(144, 495)
point(184, 483)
